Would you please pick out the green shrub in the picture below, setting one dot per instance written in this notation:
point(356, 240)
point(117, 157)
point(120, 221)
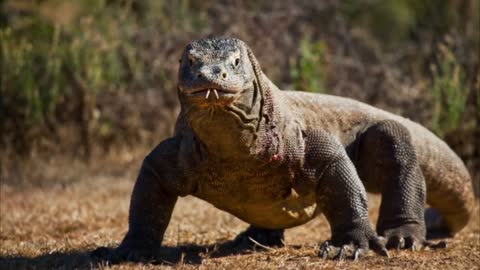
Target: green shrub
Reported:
point(449, 90)
point(309, 71)
point(57, 56)
point(395, 21)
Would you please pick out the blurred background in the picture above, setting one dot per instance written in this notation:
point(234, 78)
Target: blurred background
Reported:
point(89, 86)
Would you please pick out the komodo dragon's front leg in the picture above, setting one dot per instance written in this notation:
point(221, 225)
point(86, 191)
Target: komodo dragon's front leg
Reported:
point(341, 196)
point(153, 199)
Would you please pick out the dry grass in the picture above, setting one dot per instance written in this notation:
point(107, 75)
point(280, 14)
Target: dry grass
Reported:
point(57, 227)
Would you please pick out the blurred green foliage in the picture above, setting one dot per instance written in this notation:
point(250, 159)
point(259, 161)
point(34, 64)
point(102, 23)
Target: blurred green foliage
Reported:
point(397, 20)
point(58, 58)
point(449, 90)
point(309, 73)
point(36, 58)
point(390, 20)
point(173, 16)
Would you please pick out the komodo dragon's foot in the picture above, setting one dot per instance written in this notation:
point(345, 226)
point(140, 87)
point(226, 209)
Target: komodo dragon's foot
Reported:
point(132, 250)
point(257, 237)
point(352, 243)
point(408, 236)
point(137, 254)
point(125, 254)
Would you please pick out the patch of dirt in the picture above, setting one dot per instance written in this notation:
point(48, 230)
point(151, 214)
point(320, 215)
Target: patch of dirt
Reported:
point(57, 227)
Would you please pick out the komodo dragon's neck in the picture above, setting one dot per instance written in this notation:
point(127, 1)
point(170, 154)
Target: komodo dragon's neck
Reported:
point(241, 130)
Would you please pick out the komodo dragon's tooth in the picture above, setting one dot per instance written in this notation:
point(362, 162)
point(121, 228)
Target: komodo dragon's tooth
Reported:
point(293, 194)
point(208, 94)
point(216, 94)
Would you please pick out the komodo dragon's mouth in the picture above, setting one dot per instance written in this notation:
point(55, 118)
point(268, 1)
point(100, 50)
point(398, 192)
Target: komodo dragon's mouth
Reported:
point(211, 92)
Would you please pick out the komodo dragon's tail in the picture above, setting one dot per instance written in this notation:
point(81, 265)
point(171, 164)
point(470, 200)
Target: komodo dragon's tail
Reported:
point(449, 186)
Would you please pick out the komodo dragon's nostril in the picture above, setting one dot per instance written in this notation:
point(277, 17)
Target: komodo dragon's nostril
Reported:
point(224, 75)
point(199, 75)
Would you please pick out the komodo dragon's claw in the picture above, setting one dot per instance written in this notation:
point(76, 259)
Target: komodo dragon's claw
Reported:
point(324, 249)
point(409, 237)
point(351, 251)
point(341, 254)
point(378, 247)
point(357, 254)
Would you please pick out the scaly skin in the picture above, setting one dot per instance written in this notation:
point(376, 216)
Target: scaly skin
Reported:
point(276, 159)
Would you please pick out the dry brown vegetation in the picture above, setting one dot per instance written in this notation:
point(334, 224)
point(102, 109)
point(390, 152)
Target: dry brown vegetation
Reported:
point(56, 227)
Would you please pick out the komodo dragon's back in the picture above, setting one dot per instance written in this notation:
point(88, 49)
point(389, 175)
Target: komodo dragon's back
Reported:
point(449, 188)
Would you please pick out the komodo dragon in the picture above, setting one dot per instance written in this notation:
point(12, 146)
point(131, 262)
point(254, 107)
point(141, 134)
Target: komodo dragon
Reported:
point(276, 159)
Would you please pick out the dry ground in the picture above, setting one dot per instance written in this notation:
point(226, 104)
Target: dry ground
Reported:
point(56, 227)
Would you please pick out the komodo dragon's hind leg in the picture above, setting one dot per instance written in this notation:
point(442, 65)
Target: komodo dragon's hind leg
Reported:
point(387, 163)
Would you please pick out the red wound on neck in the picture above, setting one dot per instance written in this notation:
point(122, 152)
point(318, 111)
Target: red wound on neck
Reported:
point(274, 157)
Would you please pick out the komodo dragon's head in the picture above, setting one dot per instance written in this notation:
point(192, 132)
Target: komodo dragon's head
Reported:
point(222, 91)
point(215, 71)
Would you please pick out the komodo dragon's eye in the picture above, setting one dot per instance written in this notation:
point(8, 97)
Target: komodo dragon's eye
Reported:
point(191, 60)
